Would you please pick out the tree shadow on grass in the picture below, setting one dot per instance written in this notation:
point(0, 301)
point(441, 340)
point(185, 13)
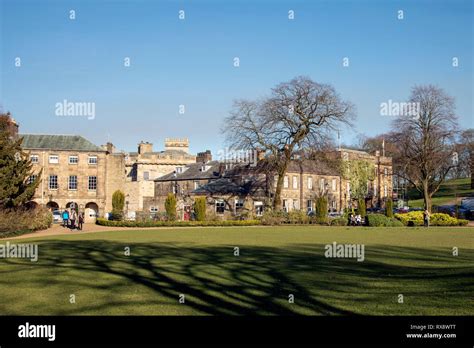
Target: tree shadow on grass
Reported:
point(216, 282)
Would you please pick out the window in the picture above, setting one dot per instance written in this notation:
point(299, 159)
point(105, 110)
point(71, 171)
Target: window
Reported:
point(72, 185)
point(53, 159)
point(146, 176)
point(196, 185)
point(73, 159)
point(375, 188)
point(385, 171)
point(296, 204)
point(348, 187)
point(220, 207)
point(385, 191)
point(285, 182)
point(92, 185)
point(34, 158)
point(285, 206)
point(310, 183)
point(239, 205)
point(32, 179)
point(153, 210)
point(92, 160)
point(334, 184)
point(309, 205)
point(258, 208)
point(321, 185)
point(179, 170)
point(53, 182)
point(295, 182)
point(333, 205)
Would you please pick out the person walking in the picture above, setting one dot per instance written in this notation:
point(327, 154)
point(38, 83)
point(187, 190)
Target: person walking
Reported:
point(80, 221)
point(426, 218)
point(73, 219)
point(65, 218)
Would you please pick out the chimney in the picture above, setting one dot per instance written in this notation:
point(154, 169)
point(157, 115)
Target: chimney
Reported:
point(110, 147)
point(204, 157)
point(145, 147)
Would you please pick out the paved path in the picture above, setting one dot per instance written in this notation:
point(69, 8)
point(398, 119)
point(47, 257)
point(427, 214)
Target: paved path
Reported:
point(57, 230)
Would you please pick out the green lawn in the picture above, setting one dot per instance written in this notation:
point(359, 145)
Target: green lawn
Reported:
point(447, 193)
point(273, 263)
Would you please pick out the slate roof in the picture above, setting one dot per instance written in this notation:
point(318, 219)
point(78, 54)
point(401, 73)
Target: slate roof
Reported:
point(220, 186)
point(194, 172)
point(58, 142)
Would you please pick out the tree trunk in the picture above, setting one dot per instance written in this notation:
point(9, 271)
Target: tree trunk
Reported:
point(426, 197)
point(277, 204)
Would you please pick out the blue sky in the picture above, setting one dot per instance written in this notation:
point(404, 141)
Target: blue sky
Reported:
point(190, 61)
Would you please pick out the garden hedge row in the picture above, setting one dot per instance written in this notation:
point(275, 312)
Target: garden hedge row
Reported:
point(105, 222)
point(415, 218)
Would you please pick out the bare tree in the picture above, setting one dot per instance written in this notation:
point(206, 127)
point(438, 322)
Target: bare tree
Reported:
point(426, 140)
point(297, 114)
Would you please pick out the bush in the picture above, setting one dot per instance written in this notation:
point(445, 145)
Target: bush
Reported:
point(20, 221)
point(321, 210)
point(271, 217)
point(151, 223)
point(415, 218)
point(380, 220)
point(118, 202)
point(340, 221)
point(170, 207)
point(200, 208)
point(297, 217)
point(389, 208)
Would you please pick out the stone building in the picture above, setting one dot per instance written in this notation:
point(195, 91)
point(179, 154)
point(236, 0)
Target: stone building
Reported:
point(238, 189)
point(145, 165)
point(75, 173)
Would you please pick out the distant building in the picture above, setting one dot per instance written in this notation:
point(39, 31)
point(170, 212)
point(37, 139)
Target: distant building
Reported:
point(233, 190)
point(145, 165)
point(75, 173)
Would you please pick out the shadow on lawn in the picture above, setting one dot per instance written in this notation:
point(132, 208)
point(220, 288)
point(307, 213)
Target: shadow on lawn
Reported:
point(258, 281)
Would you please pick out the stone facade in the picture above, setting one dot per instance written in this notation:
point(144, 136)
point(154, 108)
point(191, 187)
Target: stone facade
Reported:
point(145, 165)
point(229, 192)
point(73, 173)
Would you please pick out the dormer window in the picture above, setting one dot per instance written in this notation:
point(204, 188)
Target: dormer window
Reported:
point(179, 170)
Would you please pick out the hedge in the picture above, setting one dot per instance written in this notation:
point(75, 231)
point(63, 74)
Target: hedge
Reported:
point(105, 222)
point(415, 218)
point(380, 220)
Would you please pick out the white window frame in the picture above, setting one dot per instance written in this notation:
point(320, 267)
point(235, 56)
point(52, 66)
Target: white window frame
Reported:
point(286, 182)
point(295, 182)
point(309, 205)
point(72, 157)
point(220, 203)
point(69, 183)
point(310, 182)
point(34, 158)
point(334, 184)
point(49, 183)
point(147, 176)
point(53, 159)
point(258, 208)
point(89, 178)
point(32, 178)
point(90, 160)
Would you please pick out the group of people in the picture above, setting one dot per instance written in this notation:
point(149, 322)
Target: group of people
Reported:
point(73, 219)
point(355, 220)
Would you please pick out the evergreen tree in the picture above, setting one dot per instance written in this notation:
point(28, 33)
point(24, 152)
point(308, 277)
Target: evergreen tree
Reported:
point(118, 202)
point(15, 169)
point(200, 208)
point(170, 206)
